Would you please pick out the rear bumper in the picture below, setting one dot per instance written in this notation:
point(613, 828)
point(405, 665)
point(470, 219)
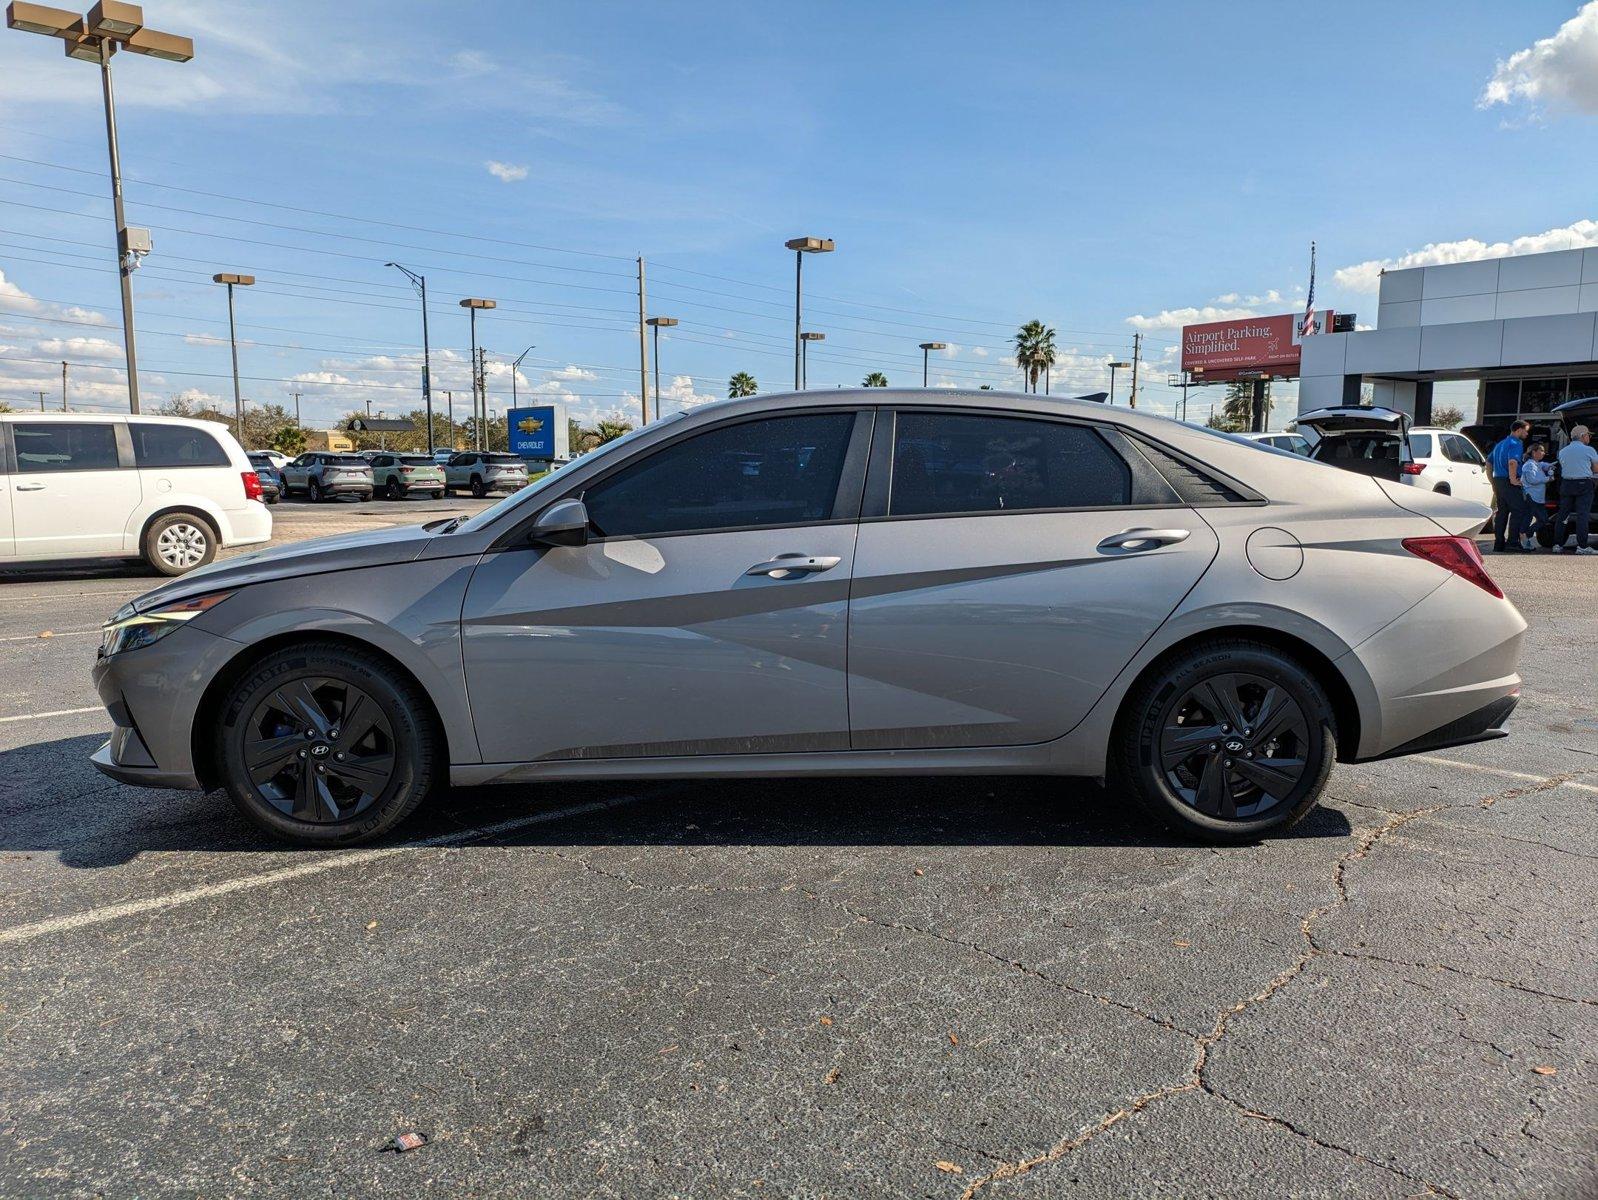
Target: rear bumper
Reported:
point(247, 526)
point(351, 487)
point(1483, 725)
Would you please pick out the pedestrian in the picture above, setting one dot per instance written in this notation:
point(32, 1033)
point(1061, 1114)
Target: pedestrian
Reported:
point(1509, 500)
point(1535, 473)
point(1577, 463)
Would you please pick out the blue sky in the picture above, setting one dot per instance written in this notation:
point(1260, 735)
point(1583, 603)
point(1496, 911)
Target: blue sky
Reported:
point(1102, 168)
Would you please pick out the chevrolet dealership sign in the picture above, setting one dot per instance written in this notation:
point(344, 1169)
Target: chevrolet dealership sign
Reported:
point(538, 432)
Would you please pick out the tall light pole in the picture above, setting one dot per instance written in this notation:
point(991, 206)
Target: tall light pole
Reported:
point(514, 367)
point(232, 282)
point(419, 282)
point(926, 347)
point(801, 247)
point(479, 401)
point(804, 355)
point(108, 27)
point(1114, 367)
point(657, 324)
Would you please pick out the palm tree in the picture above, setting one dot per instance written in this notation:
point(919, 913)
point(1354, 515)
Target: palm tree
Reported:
point(875, 379)
point(741, 384)
point(1034, 351)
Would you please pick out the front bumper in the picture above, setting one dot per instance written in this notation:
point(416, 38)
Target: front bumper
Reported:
point(153, 695)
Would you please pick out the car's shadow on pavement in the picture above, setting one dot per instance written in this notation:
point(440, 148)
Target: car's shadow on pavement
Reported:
point(53, 801)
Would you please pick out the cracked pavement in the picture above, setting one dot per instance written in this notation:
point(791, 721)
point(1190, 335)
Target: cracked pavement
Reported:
point(941, 988)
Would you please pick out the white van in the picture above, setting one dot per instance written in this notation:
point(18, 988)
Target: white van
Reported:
point(168, 490)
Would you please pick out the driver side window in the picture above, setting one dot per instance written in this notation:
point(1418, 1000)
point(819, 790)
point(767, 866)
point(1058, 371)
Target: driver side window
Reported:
point(773, 471)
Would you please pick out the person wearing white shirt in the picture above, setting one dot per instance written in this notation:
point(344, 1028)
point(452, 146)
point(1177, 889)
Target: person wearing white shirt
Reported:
point(1578, 474)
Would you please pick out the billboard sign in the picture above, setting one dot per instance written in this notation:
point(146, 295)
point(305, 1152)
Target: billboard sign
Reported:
point(1257, 345)
point(538, 432)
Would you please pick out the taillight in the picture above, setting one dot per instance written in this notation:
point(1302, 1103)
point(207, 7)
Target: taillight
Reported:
point(252, 485)
point(1456, 554)
point(1413, 468)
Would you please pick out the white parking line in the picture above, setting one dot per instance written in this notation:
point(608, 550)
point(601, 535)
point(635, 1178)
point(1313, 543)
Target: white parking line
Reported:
point(1501, 772)
point(41, 637)
point(60, 712)
point(133, 908)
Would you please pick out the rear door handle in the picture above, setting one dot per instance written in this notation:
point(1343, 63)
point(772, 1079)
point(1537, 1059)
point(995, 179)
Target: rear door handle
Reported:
point(1143, 539)
point(30, 487)
point(785, 566)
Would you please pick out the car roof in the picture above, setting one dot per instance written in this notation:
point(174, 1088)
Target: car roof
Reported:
point(139, 418)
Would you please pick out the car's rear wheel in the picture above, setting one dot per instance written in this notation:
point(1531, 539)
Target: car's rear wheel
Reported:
point(1228, 741)
point(313, 491)
point(479, 488)
point(177, 543)
point(327, 745)
point(394, 489)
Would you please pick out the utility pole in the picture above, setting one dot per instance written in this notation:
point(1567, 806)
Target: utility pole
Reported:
point(449, 418)
point(643, 352)
point(297, 410)
point(419, 282)
point(1137, 352)
point(63, 385)
point(41, 401)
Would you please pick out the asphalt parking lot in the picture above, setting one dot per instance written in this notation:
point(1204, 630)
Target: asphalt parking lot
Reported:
point(966, 987)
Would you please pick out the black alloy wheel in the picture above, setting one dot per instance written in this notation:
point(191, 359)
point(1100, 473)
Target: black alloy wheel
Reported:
point(1225, 740)
point(395, 490)
point(319, 750)
point(327, 743)
point(479, 489)
point(313, 490)
point(1234, 746)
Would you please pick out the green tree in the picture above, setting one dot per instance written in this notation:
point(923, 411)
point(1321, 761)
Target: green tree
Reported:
point(1237, 411)
point(1034, 351)
point(1448, 417)
point(287, 439)
point(741, 384)
point(608, 429)
point(875, 379)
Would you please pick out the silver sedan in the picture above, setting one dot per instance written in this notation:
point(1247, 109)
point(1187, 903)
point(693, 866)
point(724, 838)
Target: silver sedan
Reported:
point(838, 583)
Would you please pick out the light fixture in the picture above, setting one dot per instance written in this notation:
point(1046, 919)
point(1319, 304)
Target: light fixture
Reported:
point(112, 18)
point(39, 18)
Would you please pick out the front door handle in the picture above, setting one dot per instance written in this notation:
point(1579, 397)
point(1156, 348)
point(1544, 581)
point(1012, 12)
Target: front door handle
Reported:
point(30, 487)
point(785, 566)
point(1143, 539)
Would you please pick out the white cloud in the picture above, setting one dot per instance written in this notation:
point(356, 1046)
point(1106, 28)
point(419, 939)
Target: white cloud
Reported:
point(80, 347)
point(1558, 72)
point(951, 351)
point(505, 172)
point(679, 394)
point(1175, 318)
point(1271, 297)
point(1367, 276)
point(979, 351)
point(574, 373)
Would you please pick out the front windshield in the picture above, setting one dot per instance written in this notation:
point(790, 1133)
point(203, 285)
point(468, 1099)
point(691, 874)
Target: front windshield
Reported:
point(529, 494)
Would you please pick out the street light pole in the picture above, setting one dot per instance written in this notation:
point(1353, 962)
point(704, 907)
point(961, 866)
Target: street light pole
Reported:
point(925, 347)
point(110, 25)
point(656, 324)
point(804, 356)
point(419, 282)
point(514, 367)
point(479, 401)
point(1115, 366)
point(801, 247)
point(233, 340)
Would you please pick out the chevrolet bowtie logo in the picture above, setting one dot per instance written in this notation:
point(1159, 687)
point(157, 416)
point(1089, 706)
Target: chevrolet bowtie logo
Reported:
point(529, 425)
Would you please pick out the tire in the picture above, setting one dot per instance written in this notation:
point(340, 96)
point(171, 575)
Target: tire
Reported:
point(386, 767)
point(1232, 677)
point(178, 542)
point(275, 499)
point(393, 490)
point(313, 491)
point(478, 488)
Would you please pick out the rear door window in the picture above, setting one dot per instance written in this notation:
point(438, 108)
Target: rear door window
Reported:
point(65, 446)
point(175, 446)
point(946, 463)
point(1420, 445)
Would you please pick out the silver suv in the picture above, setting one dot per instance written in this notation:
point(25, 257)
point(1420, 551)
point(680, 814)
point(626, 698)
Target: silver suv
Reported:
point(485, 471)
point(322, 475)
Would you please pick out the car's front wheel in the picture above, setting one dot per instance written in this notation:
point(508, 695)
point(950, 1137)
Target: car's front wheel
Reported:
point(327, 745)
point(313, 491)
point(1227, 741)
point(393, 489)
point(479, 488)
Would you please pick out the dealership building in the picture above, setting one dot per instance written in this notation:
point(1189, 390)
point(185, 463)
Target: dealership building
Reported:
point(1524, 329)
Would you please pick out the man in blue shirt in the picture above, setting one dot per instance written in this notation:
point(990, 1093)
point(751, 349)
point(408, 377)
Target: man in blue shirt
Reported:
point(1578, 475)
point(1510, 502)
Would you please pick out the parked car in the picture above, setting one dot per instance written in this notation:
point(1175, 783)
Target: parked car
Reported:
point(276, 458)
point(271, 479)
point(1360, 438)
point(484, 472)
point(399, 475)
point(322, 475)
point(1444, 461)
point(169, 490)
point(442, 456)
point(1293, 443)
point(840, 582)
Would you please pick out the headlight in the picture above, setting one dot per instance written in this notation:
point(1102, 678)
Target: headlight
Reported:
point(129, 629)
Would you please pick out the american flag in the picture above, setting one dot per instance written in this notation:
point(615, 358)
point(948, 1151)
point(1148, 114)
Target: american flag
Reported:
point(1307, 325)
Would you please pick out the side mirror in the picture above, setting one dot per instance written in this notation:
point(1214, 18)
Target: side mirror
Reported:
point(562, 524)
